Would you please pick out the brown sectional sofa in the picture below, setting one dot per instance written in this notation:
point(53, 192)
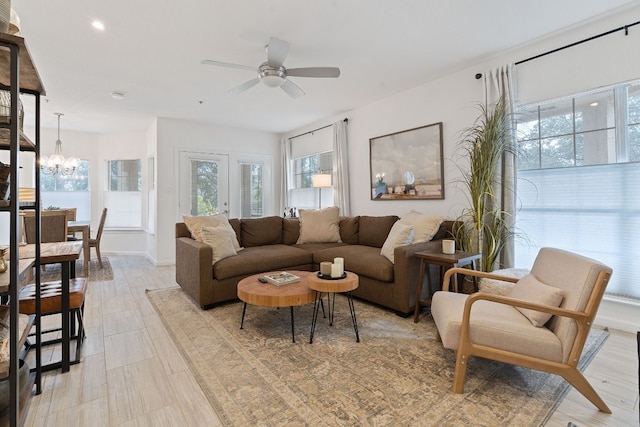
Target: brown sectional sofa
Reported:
point(270, 244)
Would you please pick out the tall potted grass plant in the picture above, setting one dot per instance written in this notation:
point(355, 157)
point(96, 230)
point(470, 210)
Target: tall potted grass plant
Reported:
point(484, 227)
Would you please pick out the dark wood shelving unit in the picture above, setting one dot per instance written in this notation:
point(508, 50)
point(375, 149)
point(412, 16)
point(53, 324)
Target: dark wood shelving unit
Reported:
point(18, 75)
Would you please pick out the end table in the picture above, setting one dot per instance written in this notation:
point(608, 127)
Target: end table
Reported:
point(436, 257)
point(331, 287)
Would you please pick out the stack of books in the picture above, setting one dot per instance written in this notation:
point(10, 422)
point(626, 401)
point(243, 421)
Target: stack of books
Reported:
point(281, 278)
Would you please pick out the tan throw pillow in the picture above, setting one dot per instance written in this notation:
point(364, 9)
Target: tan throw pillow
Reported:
point(195, 224)
point(218, 238)
point(532, 290)
point(319, 226)
point(426, 225)
point(400, 235)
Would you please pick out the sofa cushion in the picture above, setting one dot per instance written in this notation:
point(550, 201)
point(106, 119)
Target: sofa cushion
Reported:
point(373, 230)
point(349, 229)
point(195, 224)
point(290, 231)
point(258, 259)
point(400, 235)
point(532, 290)
point(425, 225)
point(235, 223)
point(359, 259)
point(319, 226)
point(261, 231)
point(219, 239)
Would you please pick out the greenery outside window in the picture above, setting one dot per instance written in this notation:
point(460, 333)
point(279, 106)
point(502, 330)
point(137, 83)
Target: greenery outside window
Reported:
point(578, 170)
point(251, 194)
point(123, 197)
point(68, 191)
point(303, 195)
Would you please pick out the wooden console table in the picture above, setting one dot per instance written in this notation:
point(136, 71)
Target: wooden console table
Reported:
point(445, 261)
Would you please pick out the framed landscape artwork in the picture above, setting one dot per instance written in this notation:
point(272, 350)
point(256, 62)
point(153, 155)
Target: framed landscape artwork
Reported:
point(408, 165)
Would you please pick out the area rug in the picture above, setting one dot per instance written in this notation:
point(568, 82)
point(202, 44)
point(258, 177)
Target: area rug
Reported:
point(397, 375)
point(96, 274)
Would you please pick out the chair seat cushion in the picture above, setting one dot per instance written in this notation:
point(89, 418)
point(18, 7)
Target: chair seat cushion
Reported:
point(493, 324)
point(51, 296)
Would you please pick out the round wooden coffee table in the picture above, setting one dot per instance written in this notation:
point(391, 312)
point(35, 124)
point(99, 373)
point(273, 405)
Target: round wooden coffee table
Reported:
point(331, 287)
point(253, 292)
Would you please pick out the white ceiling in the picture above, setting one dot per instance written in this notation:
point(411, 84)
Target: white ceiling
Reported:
point(151, 51)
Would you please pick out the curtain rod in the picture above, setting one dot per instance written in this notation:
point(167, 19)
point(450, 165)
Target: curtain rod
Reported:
point(606, 33)
point(315, 130)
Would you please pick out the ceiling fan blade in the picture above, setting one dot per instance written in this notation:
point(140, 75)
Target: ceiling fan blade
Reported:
point(227, 65)
point(277, 51)
point(292, 89)
point(244, 86)
point(327, 72)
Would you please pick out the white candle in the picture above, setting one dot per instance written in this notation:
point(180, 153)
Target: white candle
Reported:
point(449, 246)
point(337, 270)
point(325, 268)
point(339, 260)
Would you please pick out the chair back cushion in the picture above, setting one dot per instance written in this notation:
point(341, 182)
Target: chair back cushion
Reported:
point(576, 275)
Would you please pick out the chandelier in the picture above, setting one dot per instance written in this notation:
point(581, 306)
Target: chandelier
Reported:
point(56, 163)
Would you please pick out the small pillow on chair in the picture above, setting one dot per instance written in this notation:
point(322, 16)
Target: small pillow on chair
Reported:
point(319, 226)
point(220, 241)
point(532, 290)
point(400, 235)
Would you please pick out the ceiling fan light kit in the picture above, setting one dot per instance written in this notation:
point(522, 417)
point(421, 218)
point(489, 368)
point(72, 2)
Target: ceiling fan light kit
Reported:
point(273, 73)
point(271, 76)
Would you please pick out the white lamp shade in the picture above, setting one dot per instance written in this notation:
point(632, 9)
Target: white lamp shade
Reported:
point(321, 180)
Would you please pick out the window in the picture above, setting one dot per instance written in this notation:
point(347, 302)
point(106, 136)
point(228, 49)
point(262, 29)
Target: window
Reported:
point(303, 195)
point(251, 197)
point(578, 170)
point(123, 197)
point(68, 191)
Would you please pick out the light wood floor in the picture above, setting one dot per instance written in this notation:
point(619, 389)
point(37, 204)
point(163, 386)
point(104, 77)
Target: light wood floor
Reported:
point(132, 375)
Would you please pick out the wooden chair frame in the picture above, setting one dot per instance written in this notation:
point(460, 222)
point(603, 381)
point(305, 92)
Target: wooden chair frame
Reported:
point(569, 370)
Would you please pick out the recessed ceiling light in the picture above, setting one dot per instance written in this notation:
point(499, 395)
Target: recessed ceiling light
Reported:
point(593, 104)
point(98, 25)
point(117, 95)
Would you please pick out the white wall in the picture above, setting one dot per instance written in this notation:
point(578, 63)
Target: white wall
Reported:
point(97, 148)
point(175, 135)
point(451, 100)
point(152, 148)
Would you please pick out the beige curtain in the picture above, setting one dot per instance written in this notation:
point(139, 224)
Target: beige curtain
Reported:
point(341, 168)
point(285, 176)
point(501, 81)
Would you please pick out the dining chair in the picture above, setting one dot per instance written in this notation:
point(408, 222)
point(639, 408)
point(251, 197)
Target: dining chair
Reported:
point(53, 226)
point(95, 243)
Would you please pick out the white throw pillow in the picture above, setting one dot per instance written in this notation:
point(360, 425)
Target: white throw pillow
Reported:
point(195, 224)
point(425, 225)
point(319, 226)
point(218, 238)
point(400, 235)
point(532, 290)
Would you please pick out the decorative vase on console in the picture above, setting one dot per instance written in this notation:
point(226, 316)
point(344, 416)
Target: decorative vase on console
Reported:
point(381, 186)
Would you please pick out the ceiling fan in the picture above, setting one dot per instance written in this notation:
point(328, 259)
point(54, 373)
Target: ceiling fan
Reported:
point(274, 74)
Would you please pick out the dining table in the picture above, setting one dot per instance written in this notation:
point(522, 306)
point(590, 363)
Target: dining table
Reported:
point(65, 254)
point(84, 228)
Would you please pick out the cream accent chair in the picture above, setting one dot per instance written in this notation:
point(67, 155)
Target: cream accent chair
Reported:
point(490, 326)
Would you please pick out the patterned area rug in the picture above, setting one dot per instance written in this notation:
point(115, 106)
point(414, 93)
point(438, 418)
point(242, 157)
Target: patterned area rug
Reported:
point(96, 274)
point(397, 375)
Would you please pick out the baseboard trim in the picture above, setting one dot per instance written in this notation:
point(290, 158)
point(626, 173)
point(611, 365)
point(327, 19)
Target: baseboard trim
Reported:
point(618, 314)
